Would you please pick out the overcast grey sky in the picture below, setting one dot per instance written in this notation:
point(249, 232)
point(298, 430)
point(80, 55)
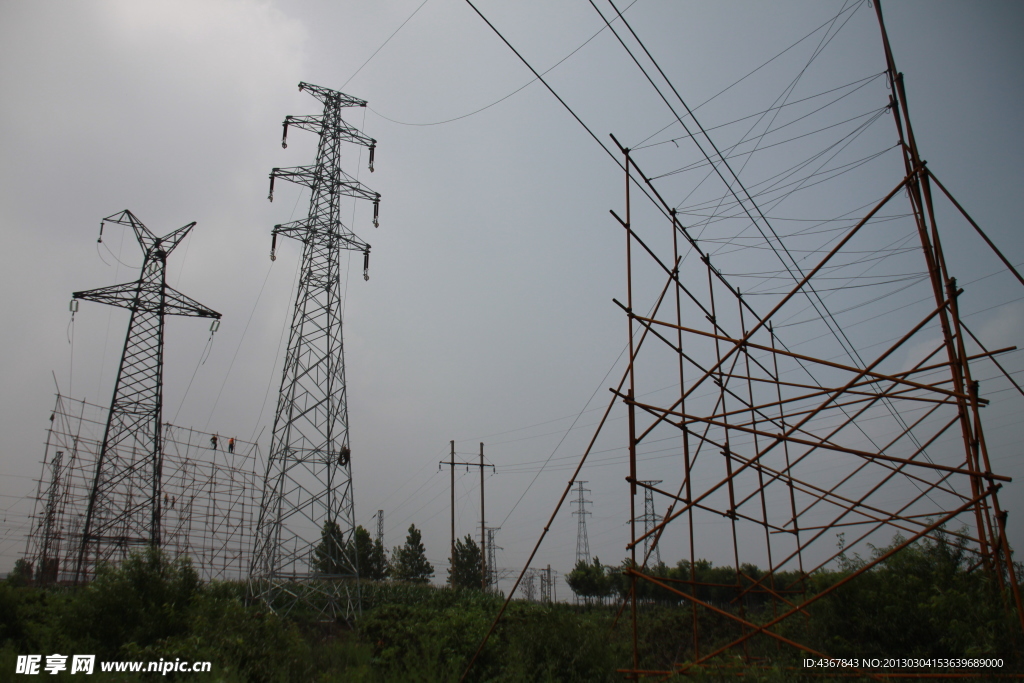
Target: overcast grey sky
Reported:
point(488, 314)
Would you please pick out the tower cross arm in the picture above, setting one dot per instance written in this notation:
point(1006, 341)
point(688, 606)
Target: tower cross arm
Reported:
point(326, 95)
point(176, 303)
point(126, 295)
point(145, 296)
point(147, 240)
point(314, 123)
point(307, 176)
point(304, 229)
point(350, 187)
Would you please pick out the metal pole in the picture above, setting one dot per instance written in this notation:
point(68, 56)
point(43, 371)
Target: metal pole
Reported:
point(452, 467)
point(483, 531)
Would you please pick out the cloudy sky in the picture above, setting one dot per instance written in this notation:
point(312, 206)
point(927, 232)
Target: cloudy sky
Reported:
point(488, 316)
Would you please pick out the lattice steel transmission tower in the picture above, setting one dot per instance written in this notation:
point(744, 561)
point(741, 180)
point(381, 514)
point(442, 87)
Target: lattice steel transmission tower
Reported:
point(651, 518)
point(307, 518)
point(582, 543)
point(124, 505)
point(46, 573)
point(492, 557)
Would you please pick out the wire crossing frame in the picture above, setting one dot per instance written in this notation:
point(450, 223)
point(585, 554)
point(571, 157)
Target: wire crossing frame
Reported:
point(124, 508)
point(766, 430)
point(761, 431)
point(307, 516)
point(208, 508)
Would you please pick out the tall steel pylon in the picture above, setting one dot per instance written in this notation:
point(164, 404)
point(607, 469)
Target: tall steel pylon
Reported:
point(492, 557)
point(307, 518)
point(582, 543)
point(651, 518)
point(124, 504)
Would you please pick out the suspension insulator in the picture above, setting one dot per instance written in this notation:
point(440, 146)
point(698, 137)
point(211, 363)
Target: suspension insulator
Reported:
point(373, 148)
point(73, 306)
point(376, 211)
point(271, 195)
point(284, 135)
point(366, 264)
point(273, 246)
point(100, 239)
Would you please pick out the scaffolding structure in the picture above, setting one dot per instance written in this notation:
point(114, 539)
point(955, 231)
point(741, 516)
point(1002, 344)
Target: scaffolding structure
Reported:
point(307, 515)
point(791, 448)
point(209, 497)
point(788, 430)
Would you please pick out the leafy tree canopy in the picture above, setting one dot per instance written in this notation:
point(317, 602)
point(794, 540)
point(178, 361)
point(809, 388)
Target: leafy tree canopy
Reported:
point(329, 556)
point(373, 563)
point(590, 580)
point(466, 570)
point(409, 562)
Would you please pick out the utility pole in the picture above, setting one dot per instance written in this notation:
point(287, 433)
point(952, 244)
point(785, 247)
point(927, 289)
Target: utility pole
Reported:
point(582, 543)
point(307, 517)
point(650, 519)
point(483, 530)
point(452, 468)
point(124, 504)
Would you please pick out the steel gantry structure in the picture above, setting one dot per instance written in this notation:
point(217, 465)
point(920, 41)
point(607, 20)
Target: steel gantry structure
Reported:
point(124, 506)
point(307, 517)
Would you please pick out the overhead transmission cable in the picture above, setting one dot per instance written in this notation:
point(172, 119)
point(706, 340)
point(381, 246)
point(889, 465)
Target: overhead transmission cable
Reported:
point(384, 43)
point(505, 97)
point(837, 331)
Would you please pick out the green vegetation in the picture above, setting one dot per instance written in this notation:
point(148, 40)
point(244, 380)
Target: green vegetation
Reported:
point(466, 569)
point(921, 602)
point(409, 562)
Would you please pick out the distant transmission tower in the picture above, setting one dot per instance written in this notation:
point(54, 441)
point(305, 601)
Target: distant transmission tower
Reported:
point(52, 517)
point(582, 544)
point(492, 557)
point(124, 505)
point(307, 518)
point(380, 527)
point(650, 519)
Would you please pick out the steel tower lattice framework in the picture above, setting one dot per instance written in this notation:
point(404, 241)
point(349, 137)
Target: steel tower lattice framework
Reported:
point(124, 505)
point(651, 518)
point(307, 517)
point(582, 542)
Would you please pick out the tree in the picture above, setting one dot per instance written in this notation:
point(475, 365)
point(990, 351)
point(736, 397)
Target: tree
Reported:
point(465, 570)
point(373, 564)
point(21, 575)
point(329, 555)
point(589, 580)
point(409, 562)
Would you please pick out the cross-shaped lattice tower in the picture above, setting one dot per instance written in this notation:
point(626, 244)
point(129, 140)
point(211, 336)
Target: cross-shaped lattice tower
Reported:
point(124, 504)
point(307, 520)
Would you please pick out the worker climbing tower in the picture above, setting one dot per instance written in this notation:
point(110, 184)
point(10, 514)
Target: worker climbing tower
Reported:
point(123, 511)
point(307, 517)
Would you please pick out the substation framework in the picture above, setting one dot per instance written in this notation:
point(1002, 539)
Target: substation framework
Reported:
point(209, 497)
point(788, 449)
point(307, 515)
